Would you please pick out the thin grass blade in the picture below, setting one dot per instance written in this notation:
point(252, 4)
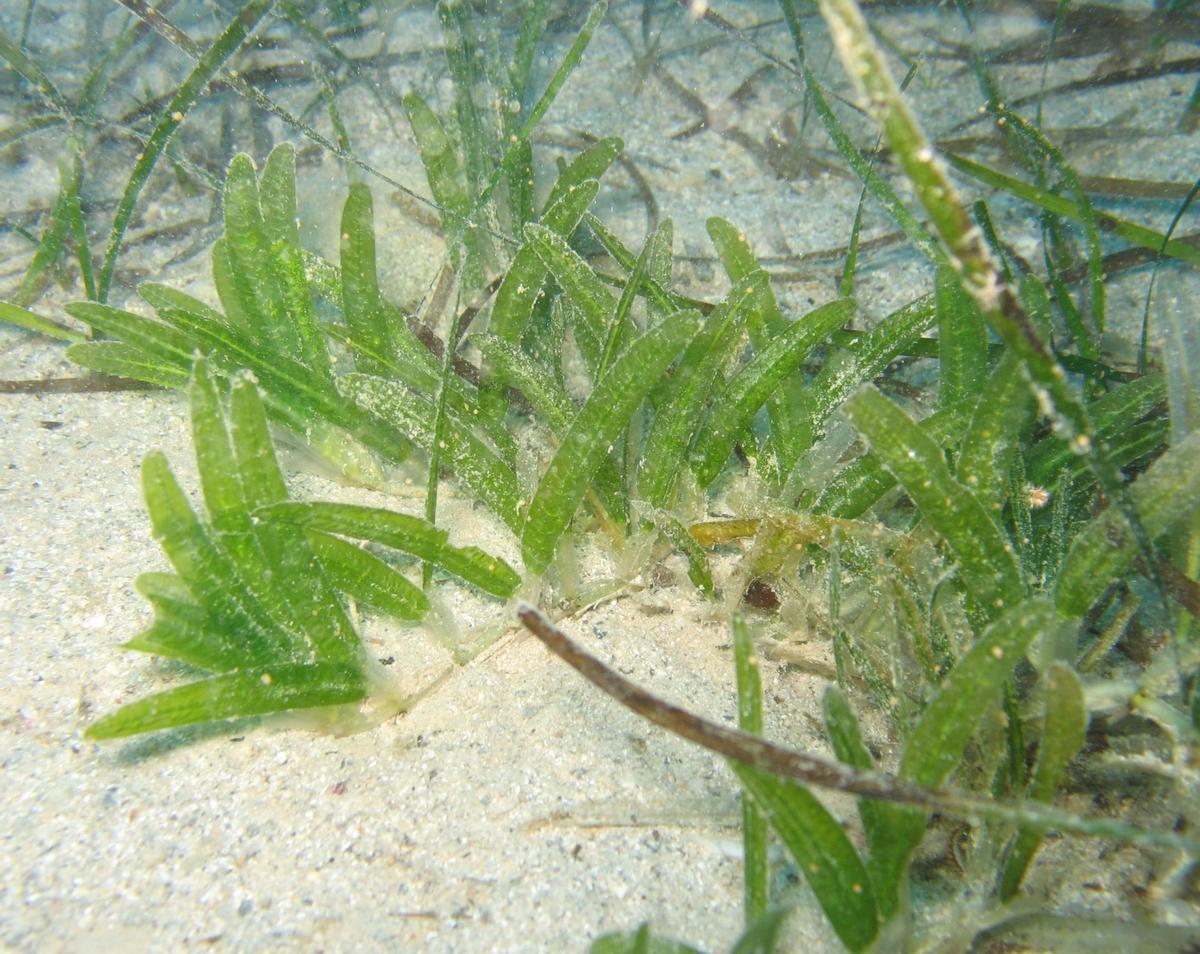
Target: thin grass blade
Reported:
point(408, 534)
point(986, 562)
point(962, 342)
point(242, 693)
point(756, 381)
point(208, 571)
point(361, 304)
point(472, 460)
point(682, 403)
point(1165, 495)
point(823, 853)
point(600, 421)
point(935, 745)
point(756, 869)
point(230, 40)
point(31, 321)
point(1064, 728)
point(367, 579)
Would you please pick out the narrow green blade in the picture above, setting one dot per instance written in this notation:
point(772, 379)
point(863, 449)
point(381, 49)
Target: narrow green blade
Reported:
point(1003, 415)
point(962, 342)
point(31, 321)
point(1064, 729)
point(124, 361)
point(600, 421)
point(691, 387)
point(1166, 494)
point(986, 560)
point(790, 415)
point(230, 39)
point(823, 853)
point(412, 535)
point(159, 343)
point(207, 570)
point(846, 371)
point(526, 276)
point(242, 693)
point(367, 579)
point(751, 386)
point(594, 304)
point(365, 317)
point(304, 598)
point(756, 867)
point(472, 460)
point(935, 745)
point(860, 484)
point(277, 195)
point(592, 163)
point(251, 264)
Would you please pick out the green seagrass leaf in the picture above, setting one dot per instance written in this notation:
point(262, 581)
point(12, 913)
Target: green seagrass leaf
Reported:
point(412, 535)
point(1166, 494)
point(600, 421)
point(592, 163)
point(235, 33)
point(182, 629)
point(823, 853)
point(691, 387)
point(367, 578)
point(1003, 414)
point(882, 821)
point(847, 370)
point(640, 941)
point(166, 298)
point(31, 321)
point(243, 692)
point(756, 381)
point(699, 570)
point(125, 361)
point(595, 307)
point(962, 342)
point(860, 484)
point(366, 319)
point(300, 596)
point(935, 745)
point(1064, 730)
point(277, 193)
point(549, 400)
point(791, 424)
point(255, 283)
point(207, 570)
point(756, 868)
point(472, 460)
point(159, 344)
point(523, 282)
point(987, 564)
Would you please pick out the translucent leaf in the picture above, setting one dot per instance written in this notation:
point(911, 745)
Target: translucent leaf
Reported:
point(600, 421)
point(367, 579)
point(1166, 494)
point(412, 535)
point(1064, 727)
point(987, 563)
point(756, 381)
point(823, 853)
point(241, 693)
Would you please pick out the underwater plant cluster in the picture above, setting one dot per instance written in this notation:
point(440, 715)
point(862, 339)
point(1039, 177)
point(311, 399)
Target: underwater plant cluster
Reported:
point(985, 498)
